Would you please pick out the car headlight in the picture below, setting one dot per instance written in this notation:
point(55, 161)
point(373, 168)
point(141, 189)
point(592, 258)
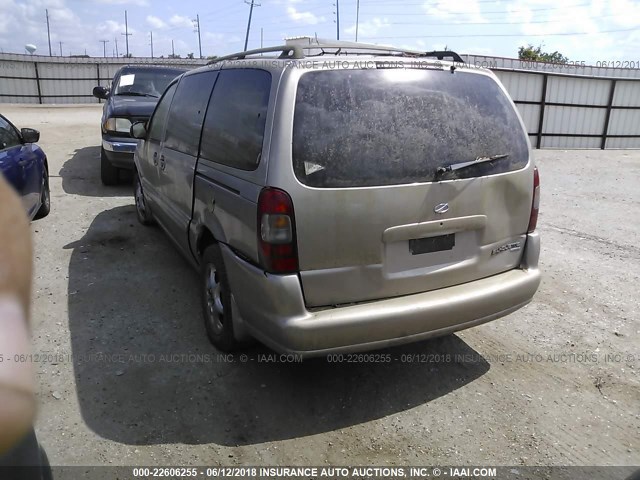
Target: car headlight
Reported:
point(121, 125)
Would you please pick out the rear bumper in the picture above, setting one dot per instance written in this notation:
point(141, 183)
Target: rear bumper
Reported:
point(272, 309)
point(119, 151)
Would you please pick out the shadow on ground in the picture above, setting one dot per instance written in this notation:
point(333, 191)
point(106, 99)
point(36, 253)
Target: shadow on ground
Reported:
point(134, 319)
point(81, 176)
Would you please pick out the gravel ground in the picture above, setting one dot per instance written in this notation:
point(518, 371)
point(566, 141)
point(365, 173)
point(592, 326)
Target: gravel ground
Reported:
point(555, 383)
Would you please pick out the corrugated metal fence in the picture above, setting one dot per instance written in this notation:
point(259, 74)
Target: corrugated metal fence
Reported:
point(573, 106)
point(563, 106)
point(54, 80)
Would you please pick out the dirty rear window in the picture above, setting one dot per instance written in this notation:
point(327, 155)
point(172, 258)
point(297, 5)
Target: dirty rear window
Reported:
point(397, 126)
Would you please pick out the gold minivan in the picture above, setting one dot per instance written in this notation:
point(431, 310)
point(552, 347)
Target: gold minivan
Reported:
point(338, 200)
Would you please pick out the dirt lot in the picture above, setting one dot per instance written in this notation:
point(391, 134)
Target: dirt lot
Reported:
point(556, 383)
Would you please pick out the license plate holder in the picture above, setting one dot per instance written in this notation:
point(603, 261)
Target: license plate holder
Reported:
point(441, 243)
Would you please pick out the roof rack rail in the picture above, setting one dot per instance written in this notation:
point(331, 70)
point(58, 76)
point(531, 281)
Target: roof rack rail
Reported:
point(442, 54)
point(296, 51)
point(286, 51)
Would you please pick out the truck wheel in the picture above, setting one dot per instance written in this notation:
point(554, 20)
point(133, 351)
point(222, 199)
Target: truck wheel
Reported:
point(216, 301)
point(142, 208)
point(108, 173)
point(45, 196)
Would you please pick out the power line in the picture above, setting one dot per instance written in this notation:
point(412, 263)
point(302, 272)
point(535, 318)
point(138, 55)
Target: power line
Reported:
point(413, 14)
point(509, 34)
point(488, 23)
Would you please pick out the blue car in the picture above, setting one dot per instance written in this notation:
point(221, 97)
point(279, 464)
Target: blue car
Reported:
point(24, 165)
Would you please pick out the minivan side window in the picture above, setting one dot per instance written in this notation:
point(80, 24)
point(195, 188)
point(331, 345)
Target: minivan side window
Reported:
point(187, 112)
point(235, 122)
point(159, 118)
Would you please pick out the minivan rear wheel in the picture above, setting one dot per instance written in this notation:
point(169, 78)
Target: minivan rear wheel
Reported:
point(216, 301)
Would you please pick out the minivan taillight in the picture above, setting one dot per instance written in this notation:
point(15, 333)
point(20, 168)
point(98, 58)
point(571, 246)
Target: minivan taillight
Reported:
point(277, 231)
point(535, 206)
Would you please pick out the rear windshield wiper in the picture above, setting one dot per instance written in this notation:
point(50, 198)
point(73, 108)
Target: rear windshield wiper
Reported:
point(137, 94)
point(457, 166)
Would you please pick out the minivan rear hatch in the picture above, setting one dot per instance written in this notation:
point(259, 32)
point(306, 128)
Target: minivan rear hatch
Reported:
point(384, 203)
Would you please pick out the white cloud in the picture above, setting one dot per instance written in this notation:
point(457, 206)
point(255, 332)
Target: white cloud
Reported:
point(113, 28)
point(461, 11)
point(370, 28)
point(155, 22)
point(307, 18)
point(181, 21)
point(141, 3)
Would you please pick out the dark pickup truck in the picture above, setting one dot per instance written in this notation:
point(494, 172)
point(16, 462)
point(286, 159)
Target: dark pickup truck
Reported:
point(132, 97)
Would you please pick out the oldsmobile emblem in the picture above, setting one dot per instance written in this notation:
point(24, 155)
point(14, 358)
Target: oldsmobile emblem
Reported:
point(441, 208)
point(508, 247)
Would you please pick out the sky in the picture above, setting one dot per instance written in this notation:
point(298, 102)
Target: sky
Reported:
point(583, 30)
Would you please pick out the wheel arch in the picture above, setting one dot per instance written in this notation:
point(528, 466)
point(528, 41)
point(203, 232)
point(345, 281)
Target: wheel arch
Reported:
point(205, 238)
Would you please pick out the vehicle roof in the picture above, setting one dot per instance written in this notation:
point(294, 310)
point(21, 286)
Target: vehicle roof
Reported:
point(154, 67)
point(323, 56)
point(328, 62)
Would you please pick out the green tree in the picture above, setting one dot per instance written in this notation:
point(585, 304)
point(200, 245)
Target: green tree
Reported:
point(190, 55)
point(536, 54)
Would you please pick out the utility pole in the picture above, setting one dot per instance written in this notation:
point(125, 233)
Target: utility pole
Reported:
point(357, 17)
point(337, 5)
point(151, 33)
point(261, 37)
point(117, 52)
point(104, 47)
point(173, 51)
point(126, 32)
point(246, 40)
point(49, 33)
point(60, 48)
point(196, 25)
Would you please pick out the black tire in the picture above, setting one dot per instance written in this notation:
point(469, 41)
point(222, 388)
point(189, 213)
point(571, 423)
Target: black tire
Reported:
point(216, 300)
point(45, 197)
point(143, 212)
point(108, 173)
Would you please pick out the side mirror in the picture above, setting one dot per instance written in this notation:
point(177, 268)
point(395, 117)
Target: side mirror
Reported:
point(101, 93)
point(29, 135)
point(138, 130)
